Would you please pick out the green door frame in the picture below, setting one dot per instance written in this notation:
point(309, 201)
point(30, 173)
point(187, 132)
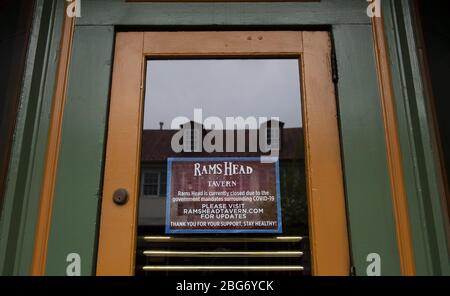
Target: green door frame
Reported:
point(424, 183)
point(75, 212)
point(24, 180)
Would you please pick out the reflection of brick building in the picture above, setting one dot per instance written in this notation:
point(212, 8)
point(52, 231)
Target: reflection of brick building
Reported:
point(156, 148)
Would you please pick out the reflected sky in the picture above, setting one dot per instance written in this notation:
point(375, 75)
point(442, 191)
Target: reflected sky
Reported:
point(222, 88)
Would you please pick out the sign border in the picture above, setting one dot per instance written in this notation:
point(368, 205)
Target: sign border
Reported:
point(168, 229)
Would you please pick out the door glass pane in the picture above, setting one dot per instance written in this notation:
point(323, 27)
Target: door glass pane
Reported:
point(204, 185)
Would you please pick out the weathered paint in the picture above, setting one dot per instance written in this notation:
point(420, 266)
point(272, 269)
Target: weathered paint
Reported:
point(80, 168)
point(117, 12)
point(369, 202)
point(326, 203)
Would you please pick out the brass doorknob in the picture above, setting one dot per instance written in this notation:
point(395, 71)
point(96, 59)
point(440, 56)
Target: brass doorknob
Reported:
point(120, 197)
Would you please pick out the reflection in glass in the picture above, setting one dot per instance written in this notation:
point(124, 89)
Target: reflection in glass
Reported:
point(259, 88)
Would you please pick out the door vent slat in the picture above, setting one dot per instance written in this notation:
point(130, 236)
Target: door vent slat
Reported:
point(233, 254)
point(177, 254)
point(277, 239)
point(223, 268)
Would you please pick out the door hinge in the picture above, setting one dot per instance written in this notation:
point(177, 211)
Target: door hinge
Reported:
point(334, 67)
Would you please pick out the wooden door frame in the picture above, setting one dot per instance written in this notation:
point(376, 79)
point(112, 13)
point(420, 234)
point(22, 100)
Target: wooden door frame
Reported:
point(326, 201)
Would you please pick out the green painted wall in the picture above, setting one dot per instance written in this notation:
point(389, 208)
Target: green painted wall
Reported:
point(80, 167)
point(369, 201)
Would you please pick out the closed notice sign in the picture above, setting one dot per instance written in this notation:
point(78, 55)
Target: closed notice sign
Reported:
point(222, 195)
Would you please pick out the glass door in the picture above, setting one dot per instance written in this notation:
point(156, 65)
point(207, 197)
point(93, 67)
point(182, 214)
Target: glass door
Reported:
point(202, 116)
point(223, 156)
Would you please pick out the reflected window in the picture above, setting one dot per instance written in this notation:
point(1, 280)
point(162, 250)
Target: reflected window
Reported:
point(153, 183)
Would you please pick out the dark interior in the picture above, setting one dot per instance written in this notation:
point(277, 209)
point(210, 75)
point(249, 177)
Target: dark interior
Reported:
point(435, 22)
point(15, 23)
